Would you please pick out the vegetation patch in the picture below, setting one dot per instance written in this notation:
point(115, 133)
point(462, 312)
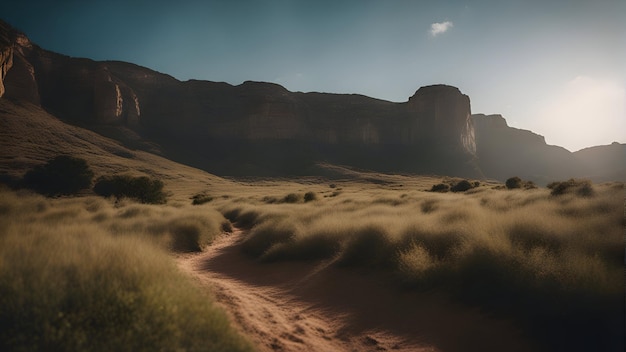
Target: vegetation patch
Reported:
point(581, 188)
point(486, 249)
point(440, 187)
point(63, 175)
point(76, 285)
point(142, 188)
point(516, 182)
point(201, 198)
point(462, 186)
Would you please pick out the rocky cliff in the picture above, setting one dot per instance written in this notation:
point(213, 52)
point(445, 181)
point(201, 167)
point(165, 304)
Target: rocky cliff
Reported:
point(505, 151)
point(254, 127)
point(6, 54)
point(260, 128)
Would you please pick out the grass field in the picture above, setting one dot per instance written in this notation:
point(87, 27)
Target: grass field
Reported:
point(88, 274)
point(82, 272)
point(551, 263)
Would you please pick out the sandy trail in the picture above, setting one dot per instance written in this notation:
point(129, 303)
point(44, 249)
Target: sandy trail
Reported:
point(316, 307)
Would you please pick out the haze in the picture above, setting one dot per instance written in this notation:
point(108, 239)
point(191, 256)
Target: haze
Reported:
point(554, 67)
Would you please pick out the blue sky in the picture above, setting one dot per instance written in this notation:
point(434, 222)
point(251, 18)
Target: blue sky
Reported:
point(555, 67)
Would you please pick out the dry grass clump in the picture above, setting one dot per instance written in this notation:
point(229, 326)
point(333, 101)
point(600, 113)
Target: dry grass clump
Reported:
point(201, 198)
point(550, 263)
point(70, 284)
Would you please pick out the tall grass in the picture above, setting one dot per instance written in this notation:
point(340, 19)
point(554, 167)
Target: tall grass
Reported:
point(553, 264)
point(70, 280)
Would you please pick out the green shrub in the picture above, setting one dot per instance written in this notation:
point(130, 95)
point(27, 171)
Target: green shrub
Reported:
point(143, 188)
point(63, 175)
point(440, 187)
point(461, 186)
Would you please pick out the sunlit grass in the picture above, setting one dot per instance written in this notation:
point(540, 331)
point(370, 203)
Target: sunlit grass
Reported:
point(550, 262)
point(83, 274)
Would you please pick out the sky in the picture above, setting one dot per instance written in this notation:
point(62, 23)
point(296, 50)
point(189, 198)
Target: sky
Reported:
point(556, 67)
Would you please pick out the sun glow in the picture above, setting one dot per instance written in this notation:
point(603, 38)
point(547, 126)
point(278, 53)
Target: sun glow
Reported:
point(587, 111)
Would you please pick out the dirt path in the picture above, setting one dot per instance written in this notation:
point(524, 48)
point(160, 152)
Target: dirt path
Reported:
point(313, 307)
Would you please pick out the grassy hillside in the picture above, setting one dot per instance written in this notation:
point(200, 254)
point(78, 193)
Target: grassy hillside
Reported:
point(30, 136)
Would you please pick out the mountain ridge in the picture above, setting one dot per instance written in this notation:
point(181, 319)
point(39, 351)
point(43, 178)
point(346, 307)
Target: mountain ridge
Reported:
point(259, 128)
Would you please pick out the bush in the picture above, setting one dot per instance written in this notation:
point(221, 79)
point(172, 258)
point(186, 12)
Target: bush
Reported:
point(582, 188)
point(292, 198)
point(310, 196)
point(368, 247)
point(440, 187)
point(143, 189)
point(514, 182)
point(63, 175)
point(461, 186)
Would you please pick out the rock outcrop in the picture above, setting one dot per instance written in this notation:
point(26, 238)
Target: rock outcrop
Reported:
point(6, 53)
point(254, 127)
point(258, 128)
point(505, 151)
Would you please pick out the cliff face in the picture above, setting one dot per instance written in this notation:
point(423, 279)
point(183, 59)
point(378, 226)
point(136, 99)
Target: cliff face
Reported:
point(442, 115)
point(261, 128)
point(6, 54)
point(505, 151)
point(250, 128)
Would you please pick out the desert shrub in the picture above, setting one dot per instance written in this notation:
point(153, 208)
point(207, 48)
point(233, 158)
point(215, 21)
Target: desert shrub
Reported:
point(63, 175)
point(514, 182)
point(270, 200)
point(266, 235)
point(245, 218)
point(143, 188)
point(439, 245)
point(310, 196)
point(292, 198)
point(187, 237)
point(368, 247)
point(582, 188)
point(440, 187)
point(461, 186)
point(314, 246)
point(201, 198)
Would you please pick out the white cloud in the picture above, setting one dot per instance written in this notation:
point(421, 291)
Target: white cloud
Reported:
point(440, 27)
